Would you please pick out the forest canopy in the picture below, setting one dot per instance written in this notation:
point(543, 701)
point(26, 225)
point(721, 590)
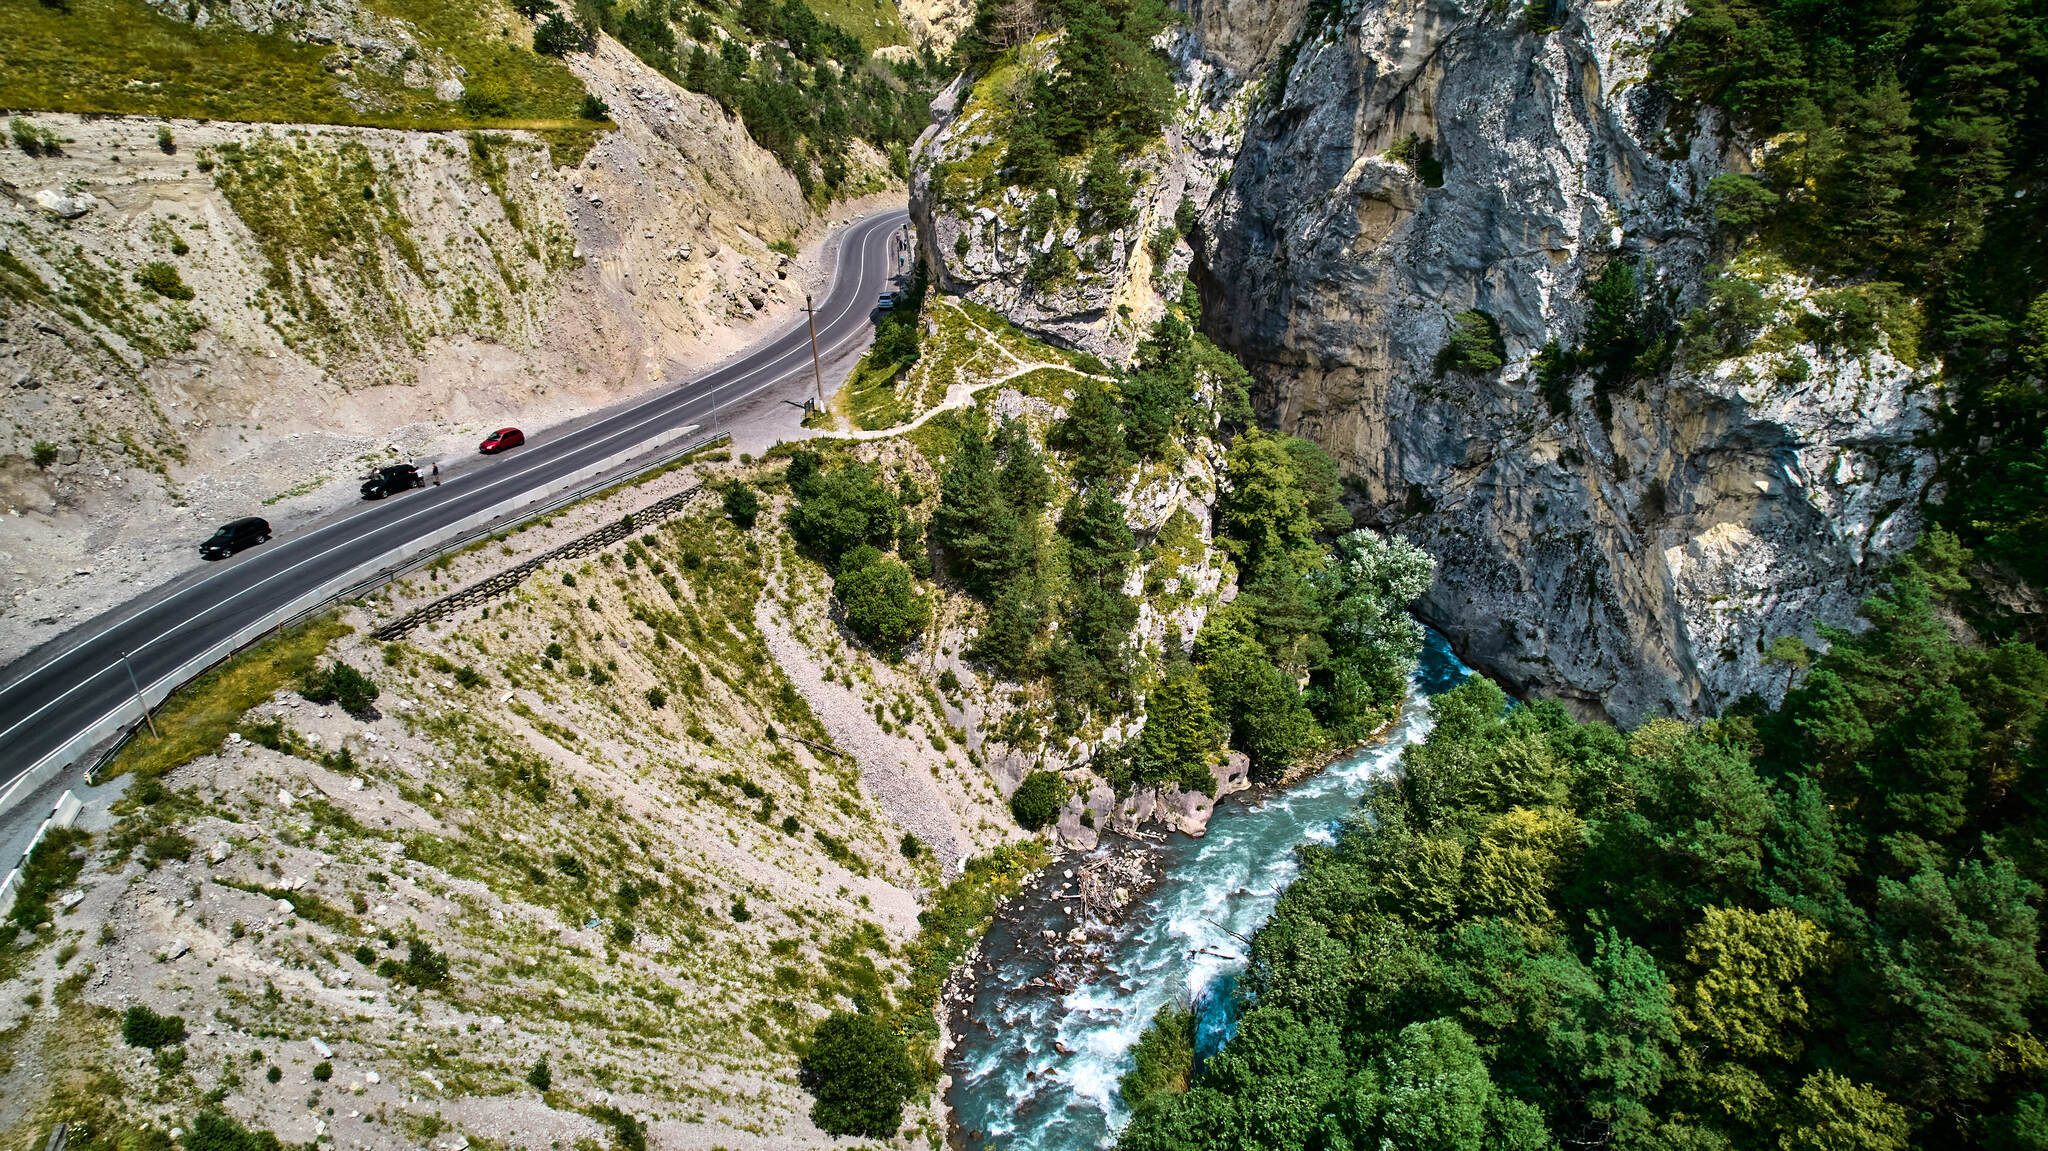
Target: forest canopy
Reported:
point(1808, 927)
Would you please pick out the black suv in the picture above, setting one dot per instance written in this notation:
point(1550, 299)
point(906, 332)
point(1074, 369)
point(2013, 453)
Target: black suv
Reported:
point(395, 478)
point(233, 537)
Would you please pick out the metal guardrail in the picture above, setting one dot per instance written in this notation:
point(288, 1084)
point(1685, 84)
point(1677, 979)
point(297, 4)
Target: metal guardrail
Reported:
point(512, 577)
point(386, 574)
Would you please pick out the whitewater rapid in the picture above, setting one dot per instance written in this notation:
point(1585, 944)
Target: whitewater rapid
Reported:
point(1046, 1037)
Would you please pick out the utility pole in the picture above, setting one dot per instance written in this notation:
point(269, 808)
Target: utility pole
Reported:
point(817, 373)
point(132, 682)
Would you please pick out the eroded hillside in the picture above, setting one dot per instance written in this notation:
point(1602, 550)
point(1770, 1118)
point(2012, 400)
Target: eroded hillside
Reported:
point(437, 232)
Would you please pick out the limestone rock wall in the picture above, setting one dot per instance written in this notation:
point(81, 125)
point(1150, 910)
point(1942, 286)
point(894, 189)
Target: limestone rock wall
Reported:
point(1631, 556)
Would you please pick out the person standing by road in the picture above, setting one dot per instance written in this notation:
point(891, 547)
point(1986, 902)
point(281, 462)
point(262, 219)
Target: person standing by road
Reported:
point(437, 475)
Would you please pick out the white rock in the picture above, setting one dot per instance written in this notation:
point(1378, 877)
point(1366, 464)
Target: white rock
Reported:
point(177, 949)
point(355, 784)
point(321, 1048)
point(371, 1077)
point(65, 205)
point(448, 91)
point(284, 907)
point(284, 798)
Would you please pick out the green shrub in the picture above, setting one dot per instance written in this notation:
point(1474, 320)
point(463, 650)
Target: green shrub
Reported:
point(593, 108)
point(657, 698)
point(169, 845)
point(1164, 1060)
point(165, 141)
point(364, 955)
point(538, 1076)
point(1037, 801)
point(34, 139)
point(141, 1027)
point(911, 846)
point(468, 677)
point(839, 510)
point(342, 685)
point(882, 605)
point(742, 505)
point(860, 1074)
point(630, 1135)
point(164, 280)
point(1474, 346)
point(212, 1131)
point(323, 1071)
point(275, 1074)
point(423, 966)
point(45, 453)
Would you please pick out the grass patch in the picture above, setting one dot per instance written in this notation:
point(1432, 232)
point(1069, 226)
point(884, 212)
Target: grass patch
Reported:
point(873, 22)
point(121, 56)
point(197, 718)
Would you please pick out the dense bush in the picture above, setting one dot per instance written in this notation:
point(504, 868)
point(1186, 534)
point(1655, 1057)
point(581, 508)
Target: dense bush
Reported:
point(423, 966)
point(841, 509)
point(163, 279)
point(1163, 1062)
point(213, 1131)
point(882, 605)
point(556, 36)
point(1474, 345)
point(341, 685)
point(1811, 926)
point(141, 1027)
point(33, 139)
point(1037, 801)
point(861, 1075)
point(742, 505)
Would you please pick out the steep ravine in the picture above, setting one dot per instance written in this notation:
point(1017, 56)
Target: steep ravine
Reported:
point(1633, 561)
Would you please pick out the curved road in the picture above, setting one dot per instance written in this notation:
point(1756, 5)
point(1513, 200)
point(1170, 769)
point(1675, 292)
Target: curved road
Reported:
point(77, 682)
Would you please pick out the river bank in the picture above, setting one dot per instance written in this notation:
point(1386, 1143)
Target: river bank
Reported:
point(1042, 1016)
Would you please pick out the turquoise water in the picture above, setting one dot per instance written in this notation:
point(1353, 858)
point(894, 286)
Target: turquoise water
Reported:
point(1048, 1035)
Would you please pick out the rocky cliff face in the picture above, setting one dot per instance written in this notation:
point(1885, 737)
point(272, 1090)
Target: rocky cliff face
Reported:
point(1631, 552)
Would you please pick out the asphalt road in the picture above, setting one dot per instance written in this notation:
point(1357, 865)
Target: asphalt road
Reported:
point(73, 683)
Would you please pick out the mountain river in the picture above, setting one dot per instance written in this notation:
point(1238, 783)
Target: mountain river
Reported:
point(1050, 1031)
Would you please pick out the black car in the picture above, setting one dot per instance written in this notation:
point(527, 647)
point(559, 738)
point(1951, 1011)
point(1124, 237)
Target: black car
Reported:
point(233, 537)
point(395, 478)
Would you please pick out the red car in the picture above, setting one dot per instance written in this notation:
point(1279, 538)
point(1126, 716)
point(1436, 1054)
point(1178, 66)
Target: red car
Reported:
point(501, 439)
